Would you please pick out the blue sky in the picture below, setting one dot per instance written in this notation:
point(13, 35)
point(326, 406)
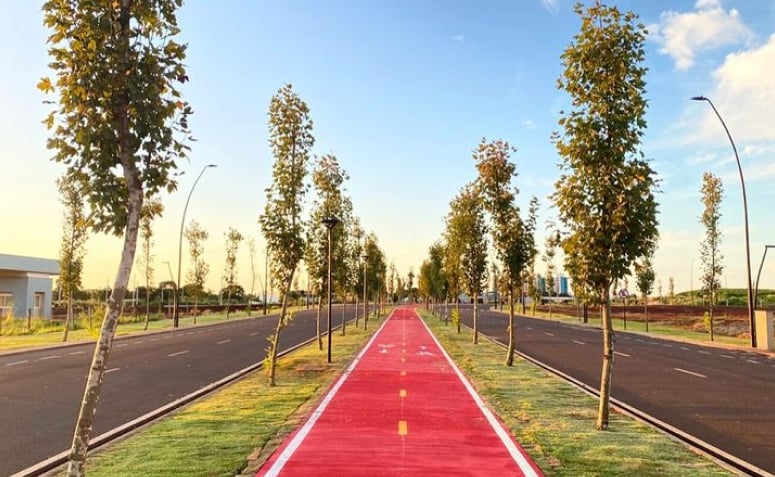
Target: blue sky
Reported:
point(401, 92)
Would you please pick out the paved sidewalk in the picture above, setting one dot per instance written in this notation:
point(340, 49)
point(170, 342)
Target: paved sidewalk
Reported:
point(401, 408)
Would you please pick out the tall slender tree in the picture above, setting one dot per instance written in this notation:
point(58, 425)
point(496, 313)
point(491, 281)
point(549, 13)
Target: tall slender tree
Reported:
point(75, 230)
point(252, 252)
point(710, 249)
point(197, 274)
point(550, 251)
point(605, 194)
point(233, 239)
point(513, 238)
point(291, 139)
point(151, 208)
point(644, 277)
point(120, 126)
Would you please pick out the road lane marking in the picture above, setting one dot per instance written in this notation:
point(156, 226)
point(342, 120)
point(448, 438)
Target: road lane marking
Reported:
point(18, 362)
point(727, 356)
point(120, 345)
point(177, 354)
point(50, 357)
point(548, 334)
point(402, 393)
point(622, 354)
point(579, 342)
point(684, 348)
point(77, 352)
point(111, 370)
point(529, 327)
point(253, 333)
point(667, 345)
point(403, 360)
point(224, 342)
point(704, 352)
point(402, 428)
point(690, 372)
point(753, 361)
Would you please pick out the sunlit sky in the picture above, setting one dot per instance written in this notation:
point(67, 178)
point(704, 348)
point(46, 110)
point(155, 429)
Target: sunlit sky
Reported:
point(401, 92)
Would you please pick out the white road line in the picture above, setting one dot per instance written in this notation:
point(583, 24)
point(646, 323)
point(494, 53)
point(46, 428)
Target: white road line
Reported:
point(17, 362)
point(727, 356)
point(50, 357)
point(138, 341)
point(753, 361)
point(111, 370)
point(253, 333)
point(154, 339)
point(622, 354)
point(704, 352)
point(120, 345)
point(579, 342)
point(224, 342)
point(76, 352)
point(684, 348)
point(690, 372)
point(177, 354)
point(529, 327)
point(548, 334)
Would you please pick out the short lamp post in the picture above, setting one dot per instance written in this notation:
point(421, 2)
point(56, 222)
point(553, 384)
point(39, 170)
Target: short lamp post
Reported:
point(330, 223)
point(175, 318)
point(751, 303)
point(759, 274)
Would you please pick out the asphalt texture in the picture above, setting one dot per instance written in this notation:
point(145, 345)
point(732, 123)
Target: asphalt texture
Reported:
point(725, 397)
point(41, 390)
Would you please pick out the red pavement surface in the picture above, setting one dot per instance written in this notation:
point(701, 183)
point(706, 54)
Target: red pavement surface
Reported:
point(401, 408)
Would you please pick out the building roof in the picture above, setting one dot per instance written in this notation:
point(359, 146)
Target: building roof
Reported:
point(18, 263)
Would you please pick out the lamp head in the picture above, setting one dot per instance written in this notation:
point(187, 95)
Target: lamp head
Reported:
point(212, 165)
point(699, 98)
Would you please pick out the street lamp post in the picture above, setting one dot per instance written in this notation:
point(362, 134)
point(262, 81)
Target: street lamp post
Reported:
point(330, 223)
point(175, 318)
point(365, 301)
point(751, 303)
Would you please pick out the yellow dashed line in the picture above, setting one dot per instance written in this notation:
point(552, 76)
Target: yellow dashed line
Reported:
point(403, 373)
point(402, 393)
point(403, 360)
point(402, 429)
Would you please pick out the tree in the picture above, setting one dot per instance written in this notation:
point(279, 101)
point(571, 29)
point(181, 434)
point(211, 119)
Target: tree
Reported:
point(550, 250)
point(252, 252)
point(197, 274)
point(151, 208)
point(605, 195)
point(512, 237)
point(233, 239)
point(290, 137)
point(120, 126)
point(644, 276)
point(712, 194)
point(392, 288)
point(73, 248)
point(671, 290)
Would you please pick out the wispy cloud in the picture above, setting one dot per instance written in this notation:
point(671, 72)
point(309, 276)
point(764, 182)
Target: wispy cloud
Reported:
point(529, 124)
point(459, 38)
point(550, 5)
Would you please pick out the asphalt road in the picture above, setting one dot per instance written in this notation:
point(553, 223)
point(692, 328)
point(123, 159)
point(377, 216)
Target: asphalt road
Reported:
point(722, 396)
point(41, 390)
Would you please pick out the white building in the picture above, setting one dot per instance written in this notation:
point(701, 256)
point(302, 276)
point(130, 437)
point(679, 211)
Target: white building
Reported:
point(26, 284)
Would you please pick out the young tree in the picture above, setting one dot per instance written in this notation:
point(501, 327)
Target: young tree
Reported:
point(392, 289)
point(120, 127)
point(644, 276)
point(151, 208)
point(659, 292)
point(73, 248)
point(712, 194)
point(513, 238)
point(671, 290)
point(197, 274)
point(550, 251)
point(233, 239)
point(605, 193)
point(252, 252)
point(290, 137)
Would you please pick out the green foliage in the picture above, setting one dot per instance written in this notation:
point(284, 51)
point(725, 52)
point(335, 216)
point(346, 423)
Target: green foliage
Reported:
point(432, 281)
point(605, 195)
point(118, 69)
point(233, 239)
point(712, 194)
point(644, 276)
point(74, 235)
point(197, 274)
point(455, 317)
point(466, 228)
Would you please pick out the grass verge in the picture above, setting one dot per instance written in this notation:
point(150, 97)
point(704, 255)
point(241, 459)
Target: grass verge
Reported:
point(214, 436)
point(555, 422)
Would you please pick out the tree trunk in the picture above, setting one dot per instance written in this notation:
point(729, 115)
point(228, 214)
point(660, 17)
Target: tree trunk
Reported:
point(446, 312)
point(85, 422)
point(68, 315)
point(147, 307)
point(228, 302)
point(457, 309)
point(476, 329)
point(711, 317)
point(646, 313)
point(356, 308)
point(344, 310)
point(280, 325)
point(608, 365)
point(510, 350)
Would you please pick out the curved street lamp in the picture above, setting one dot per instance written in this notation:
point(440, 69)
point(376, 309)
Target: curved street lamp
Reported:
point(330, 223)
point(751, 304)
point(175, 318)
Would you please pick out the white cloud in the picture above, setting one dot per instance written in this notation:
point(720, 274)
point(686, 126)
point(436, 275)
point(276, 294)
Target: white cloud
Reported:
point(529, 124)
point(683, 35)
point(459, 38)
point(550, 5)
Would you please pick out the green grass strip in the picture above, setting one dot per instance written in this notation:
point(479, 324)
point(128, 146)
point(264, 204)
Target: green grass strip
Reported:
point(555, 422)
point(214, 436)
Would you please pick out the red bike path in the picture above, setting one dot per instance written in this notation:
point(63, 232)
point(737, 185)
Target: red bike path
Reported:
point(401, 408)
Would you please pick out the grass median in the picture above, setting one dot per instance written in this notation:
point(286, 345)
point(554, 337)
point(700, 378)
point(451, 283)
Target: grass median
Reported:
point(555, 422)
point(214, 436)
